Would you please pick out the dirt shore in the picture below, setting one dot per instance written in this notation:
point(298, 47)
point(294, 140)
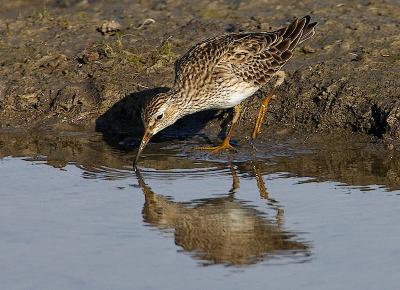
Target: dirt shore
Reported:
point(85, 64)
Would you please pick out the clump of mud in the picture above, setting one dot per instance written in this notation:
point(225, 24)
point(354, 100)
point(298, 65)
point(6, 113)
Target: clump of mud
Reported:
point(81, 64)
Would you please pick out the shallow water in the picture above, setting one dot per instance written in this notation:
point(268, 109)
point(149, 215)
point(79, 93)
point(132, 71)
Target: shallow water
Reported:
point(74, 215)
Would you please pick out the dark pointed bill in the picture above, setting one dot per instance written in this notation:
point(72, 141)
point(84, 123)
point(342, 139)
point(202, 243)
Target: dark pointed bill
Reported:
point(146, 137)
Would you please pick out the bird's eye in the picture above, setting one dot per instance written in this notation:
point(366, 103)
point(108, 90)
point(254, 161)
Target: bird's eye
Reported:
point(159, 117)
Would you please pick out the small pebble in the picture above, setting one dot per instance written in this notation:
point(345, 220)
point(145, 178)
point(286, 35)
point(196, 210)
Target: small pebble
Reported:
point(110, 27)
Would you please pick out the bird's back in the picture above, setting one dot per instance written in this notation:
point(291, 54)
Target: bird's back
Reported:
point(247, 60)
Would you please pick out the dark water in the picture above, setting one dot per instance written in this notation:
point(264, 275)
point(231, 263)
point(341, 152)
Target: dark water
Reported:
point(74, 215)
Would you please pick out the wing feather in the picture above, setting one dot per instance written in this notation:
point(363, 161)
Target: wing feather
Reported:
point(252, 57)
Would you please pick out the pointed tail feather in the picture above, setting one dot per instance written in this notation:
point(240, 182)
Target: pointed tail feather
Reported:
point(297, 32)
point(308, 31)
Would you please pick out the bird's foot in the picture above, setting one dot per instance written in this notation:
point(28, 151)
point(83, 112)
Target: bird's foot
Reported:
point(217, 149)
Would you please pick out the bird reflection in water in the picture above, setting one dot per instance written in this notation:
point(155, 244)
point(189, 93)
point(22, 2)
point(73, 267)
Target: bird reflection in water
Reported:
point(223, 230)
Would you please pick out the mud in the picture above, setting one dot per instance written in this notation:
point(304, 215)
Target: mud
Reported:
point(89, 64)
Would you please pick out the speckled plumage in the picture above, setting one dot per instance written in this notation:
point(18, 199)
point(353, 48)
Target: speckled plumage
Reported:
point(211, 71)
point(222, 71)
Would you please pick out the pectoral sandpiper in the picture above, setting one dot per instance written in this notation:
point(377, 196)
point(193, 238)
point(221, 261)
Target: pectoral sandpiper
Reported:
point(222, 71)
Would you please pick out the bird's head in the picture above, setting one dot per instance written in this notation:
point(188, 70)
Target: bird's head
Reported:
point(158, 113)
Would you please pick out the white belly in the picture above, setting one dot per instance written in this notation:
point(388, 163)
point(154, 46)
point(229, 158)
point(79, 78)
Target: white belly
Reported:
point(235, 97)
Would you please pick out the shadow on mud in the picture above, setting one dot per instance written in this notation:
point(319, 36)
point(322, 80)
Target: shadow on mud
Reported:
point(122, 126)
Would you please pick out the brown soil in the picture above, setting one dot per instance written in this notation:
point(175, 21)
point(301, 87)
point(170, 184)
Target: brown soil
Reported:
point(71, 64)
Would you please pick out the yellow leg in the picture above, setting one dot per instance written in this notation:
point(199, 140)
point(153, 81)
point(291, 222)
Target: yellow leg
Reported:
point(226, 143)
point(261, 115)
point(265, 103)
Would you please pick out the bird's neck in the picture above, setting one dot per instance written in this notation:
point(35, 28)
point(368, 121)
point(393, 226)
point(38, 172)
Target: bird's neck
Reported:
point(187, 102)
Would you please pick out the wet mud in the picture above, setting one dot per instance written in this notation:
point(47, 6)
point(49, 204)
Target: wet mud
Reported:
point(73, 65)
point(357, 163)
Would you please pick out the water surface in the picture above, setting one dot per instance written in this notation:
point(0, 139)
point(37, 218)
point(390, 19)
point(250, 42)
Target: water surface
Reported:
point(74, 215)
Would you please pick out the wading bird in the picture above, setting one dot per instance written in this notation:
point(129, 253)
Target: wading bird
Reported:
point(221, 72)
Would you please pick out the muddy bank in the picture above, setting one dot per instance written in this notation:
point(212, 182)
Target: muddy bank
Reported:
point(63, 64)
